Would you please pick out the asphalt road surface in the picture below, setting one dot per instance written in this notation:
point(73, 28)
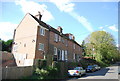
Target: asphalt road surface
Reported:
point(105, 74)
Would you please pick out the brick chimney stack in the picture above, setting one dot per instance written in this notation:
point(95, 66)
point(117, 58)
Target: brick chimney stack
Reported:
point(71, 36)
point(59, 29)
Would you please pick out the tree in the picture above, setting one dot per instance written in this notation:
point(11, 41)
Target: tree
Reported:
point(83, 47)
point(6, 45)
point(102, 46)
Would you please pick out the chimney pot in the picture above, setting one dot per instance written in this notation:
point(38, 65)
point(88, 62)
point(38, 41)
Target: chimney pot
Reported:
point(59, 29)
point(39, 16)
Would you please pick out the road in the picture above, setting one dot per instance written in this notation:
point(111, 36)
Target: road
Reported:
point(105, 74)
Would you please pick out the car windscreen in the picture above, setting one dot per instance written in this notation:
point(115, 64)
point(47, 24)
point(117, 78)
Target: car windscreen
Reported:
point(77, 68)
point(90, 66)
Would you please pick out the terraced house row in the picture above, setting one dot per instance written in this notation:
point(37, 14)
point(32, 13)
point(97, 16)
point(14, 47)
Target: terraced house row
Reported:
point(34, 39)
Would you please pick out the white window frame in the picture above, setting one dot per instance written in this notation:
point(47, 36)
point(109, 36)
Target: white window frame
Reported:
point(60, 55)
point(42, 31)
point(66, 42)
point(39, 48)
point(55, 51)
point(73, 55)
point(63, 57)
point(15, 48)
point(59, 38)
point(74, 46)
point(66, 55)
point(63, 41)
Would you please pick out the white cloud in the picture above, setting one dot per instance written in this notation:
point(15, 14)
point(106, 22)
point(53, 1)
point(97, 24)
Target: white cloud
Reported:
point(68, 7)
point(101, 27)
point(117, 45)
point(33, 8)
point(7, 30)
point(63, 5)
point(113, 28)
point(82, 20)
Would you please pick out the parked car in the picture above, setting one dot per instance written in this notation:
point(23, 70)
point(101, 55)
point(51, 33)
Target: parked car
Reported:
point(78, 71)
point(96, 67)
point(90, 68)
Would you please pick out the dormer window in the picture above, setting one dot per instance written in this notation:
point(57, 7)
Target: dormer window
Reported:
point(42, 31)
point(70, 37)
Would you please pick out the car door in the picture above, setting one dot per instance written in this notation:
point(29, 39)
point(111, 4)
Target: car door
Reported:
point(82, 71)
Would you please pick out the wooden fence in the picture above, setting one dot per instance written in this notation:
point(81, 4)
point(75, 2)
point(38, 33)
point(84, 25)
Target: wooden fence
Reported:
point(16, 72)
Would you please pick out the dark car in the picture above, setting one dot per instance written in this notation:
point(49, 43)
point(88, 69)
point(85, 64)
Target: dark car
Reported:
point(90, 68)
point(96, 67)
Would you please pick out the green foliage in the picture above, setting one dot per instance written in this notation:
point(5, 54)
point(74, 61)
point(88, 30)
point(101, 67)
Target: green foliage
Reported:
point(53, 71)
point(102, 46)
point(83, 48)
point(72, 65)
point(47, 73)
point(42, 63)
point(42, 73)
point(6, 45)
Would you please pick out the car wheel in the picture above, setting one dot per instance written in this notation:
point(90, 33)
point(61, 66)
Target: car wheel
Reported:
point(80, 75)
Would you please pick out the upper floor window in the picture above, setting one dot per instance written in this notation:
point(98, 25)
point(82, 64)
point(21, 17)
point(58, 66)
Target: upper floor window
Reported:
point(42, 31)
point(56, 38)
point(63, 40)
point(74, 55)
point(66, 43)
point(74, 46)
point(15, 47)
point(59, 38)
point(41, 46)
point(79, 48)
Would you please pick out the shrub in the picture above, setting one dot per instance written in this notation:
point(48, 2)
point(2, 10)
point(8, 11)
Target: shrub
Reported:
point(53, 71)
point(42, 64)
point(43, 73)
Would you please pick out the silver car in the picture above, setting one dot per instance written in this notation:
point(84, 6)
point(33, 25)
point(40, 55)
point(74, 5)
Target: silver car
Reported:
point(78, 71)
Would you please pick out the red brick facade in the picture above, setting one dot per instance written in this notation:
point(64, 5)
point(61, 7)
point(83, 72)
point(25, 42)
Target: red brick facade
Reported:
point(35, 39)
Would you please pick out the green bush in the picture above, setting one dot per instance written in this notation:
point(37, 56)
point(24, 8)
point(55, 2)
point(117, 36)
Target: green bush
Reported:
point(53, 71)
point(41, 72)
point(42, 64)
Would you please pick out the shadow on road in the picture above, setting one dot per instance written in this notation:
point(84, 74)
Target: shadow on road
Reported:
point(101, 72)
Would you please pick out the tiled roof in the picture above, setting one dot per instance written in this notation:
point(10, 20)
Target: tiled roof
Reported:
point(53, 30)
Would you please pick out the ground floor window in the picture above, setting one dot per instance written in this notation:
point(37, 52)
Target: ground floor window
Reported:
point(76, 57)
point(60, 55)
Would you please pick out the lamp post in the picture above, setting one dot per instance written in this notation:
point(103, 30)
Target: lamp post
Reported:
point(93, 53)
